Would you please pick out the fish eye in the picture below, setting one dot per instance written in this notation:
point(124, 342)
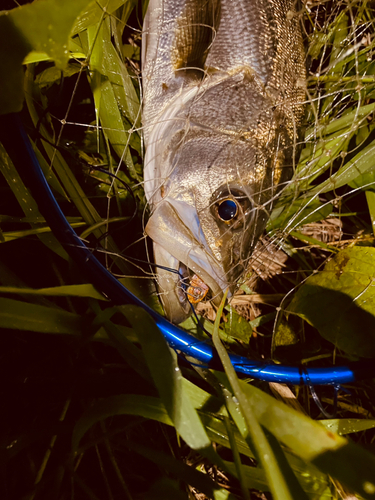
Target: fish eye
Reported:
point(227, 210)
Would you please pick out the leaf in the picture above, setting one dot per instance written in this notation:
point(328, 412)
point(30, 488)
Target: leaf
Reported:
point(261, 320)
point(49, 174)
point(351, 118)
point(370, 198)
point(145, 406)
point(130, 352)
point(285, 335)
point(251, 430)
point(332, 454)
point(53, 75)
point(42, 26)
point(116, 102)
point(348, 425)
point(86, 290)
point(182, 471)
point(254, 476)
point(237, 327)
point(315, 160)
point(340, 301)
point(314, 481)
point(225, 334)
point(363, 162)
point(28, 205)
point(239, 470)
point(165, 488)
point(10, 279)
point(40, 232)
point(365, 181)
point(35, 57)
point(162, 362)
point(124, 404)
point(211, 412)
point(299, 212)
point(94, 13)
point(18, 315)
point(82, 202)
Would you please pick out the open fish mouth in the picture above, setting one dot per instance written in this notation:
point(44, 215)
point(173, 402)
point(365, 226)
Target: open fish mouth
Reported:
point(192, 272)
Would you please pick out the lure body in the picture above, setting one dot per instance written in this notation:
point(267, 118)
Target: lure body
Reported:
point(223, 87)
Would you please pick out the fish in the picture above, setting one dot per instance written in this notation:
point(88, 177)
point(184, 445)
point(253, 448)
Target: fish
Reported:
point(224, 85)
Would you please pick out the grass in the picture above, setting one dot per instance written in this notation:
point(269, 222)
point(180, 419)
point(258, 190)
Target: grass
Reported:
point(94, 405)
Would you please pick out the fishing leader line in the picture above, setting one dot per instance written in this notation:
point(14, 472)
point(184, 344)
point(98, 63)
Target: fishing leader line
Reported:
point(16, 142)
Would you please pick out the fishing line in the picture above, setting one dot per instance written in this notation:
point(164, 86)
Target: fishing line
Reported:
point(18, 147)
point(319, 403)
point(99, 169)
point(128, 189)
point(183, 287)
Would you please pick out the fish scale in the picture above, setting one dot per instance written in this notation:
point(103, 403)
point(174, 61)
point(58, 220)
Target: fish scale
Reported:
point(223, 87)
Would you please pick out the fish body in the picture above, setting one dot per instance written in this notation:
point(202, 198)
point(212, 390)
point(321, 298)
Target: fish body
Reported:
point(223, 101)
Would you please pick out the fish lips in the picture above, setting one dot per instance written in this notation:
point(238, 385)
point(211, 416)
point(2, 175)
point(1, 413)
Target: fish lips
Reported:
point(178, 239)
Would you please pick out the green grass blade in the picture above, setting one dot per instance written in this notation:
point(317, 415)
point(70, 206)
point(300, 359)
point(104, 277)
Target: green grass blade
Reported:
point(345, 426)
point(116, 102)
point(162, 362)
point(370, 198)
point(131, 353)
point(40, 232)
point(18, 315)
point(124, 404)
point(312, 442)
point(39, 26)
point(351, 118)
point(240, 473)
point(183, 472)
point(255, 436)
point(28, 206)
point(86, 290)
point(361, 163)
point(94, 12)
point(78, 196)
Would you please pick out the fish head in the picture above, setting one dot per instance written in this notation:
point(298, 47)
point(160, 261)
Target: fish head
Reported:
point(210, 212)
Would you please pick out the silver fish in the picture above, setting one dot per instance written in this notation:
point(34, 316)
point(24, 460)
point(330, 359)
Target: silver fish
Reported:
point(223, 94)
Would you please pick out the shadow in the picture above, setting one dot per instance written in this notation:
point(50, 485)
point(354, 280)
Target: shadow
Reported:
point(338, 318)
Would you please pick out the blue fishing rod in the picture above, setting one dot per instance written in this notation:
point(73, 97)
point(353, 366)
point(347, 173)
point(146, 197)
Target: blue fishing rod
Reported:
point(16, 142)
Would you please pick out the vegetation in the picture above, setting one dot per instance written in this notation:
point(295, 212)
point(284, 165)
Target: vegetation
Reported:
point(95, 405)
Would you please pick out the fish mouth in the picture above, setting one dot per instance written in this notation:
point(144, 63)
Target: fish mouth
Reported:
point(186, 269)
